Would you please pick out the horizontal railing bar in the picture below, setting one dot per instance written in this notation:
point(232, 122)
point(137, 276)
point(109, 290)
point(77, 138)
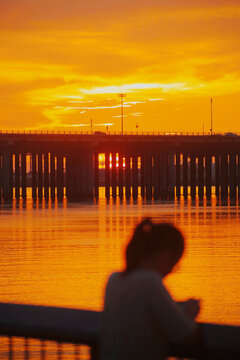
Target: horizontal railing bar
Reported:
point(49, 323)
point(82, 327)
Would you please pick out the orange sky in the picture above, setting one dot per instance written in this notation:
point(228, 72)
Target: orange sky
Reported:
point(63, 62)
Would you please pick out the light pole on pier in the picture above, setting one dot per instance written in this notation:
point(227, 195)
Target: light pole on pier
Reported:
point(211, 118)
point(122, 96)
point(91, 125)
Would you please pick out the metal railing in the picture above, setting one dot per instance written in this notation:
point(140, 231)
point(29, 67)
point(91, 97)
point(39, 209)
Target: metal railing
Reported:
point(40, 332)
point(109, 133)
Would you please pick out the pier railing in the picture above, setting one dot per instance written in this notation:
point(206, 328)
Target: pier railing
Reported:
point(40, 332)
point(135, 133)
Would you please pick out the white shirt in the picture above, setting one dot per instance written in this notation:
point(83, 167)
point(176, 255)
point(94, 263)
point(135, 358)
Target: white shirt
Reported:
point(140, 318)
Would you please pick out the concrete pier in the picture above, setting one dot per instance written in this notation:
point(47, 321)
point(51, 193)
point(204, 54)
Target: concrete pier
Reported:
point(200, 176)
point(120, 175)
point(160, 165)
point(208, 175)
point(107, 175)
point(156, 176)
point(171, 176)
point(17, 177)
point(238, 176)
point(96, 175)
point(217, 175)
point(24, 175)
point(135, 176)
point(127, 177)
point(185, 175)
point(7, 176)
point(46, 175)
point(40, 176)
point(52, 175)
point(224, 176)
point(114, 175)
point(60, 176)
point(0, 176)
point(178, 175)
point(149, 176)
point(193, 175)
point(142, 176)
point(34, 176)
point(232, 175)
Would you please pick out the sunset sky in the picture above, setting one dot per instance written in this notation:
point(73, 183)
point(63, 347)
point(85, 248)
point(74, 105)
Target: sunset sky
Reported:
point(64, 62)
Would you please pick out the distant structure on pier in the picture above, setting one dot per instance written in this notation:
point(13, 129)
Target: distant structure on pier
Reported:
point(159, 167)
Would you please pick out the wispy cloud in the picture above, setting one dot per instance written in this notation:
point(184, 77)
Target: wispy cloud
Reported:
point(157, 99)
point(136, 114)
point(66, 108)
point(134, 87)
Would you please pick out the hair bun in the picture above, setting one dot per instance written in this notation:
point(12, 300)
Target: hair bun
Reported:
point(147, 228)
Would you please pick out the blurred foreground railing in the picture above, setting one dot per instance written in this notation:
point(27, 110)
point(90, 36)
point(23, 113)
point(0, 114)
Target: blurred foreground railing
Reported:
point(39, 332)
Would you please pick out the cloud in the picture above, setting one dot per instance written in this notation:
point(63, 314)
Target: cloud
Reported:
point(63, 60)
point(134, 87)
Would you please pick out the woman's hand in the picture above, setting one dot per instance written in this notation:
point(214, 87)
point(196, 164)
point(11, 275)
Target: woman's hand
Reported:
point(192, 307)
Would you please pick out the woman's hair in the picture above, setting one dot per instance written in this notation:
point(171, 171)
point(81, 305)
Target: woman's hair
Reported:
point(149, 238)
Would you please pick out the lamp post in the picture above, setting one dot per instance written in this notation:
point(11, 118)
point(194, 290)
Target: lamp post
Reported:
point(211, 118)
point(122, 96)
point(91, 125)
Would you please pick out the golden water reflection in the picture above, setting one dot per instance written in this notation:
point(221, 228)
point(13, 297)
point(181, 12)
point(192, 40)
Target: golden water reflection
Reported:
point(61, 254)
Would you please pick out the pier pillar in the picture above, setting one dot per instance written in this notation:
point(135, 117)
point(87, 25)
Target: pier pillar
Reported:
point(171, 176)
point(224, 176)
point(217, 175)
point(86, 174)
point(46, 175)
point(232, 175)
point(7, 179)
point(185, 175)
point(17, 177)
point(127, 177)
point(52, 175)
point(76, 176)
point(60, 176)
point(114, 175)
point(156, 176)
point(0, 176)
point(69, 176)
point(238, 180)
point(40, 175)
point(149, 176)
point(193, 175)
point(164, 176)
point(143, 176)
point(96, 175)
point(34, 176)
point(107, 175)
point(120, 175)
point(135, 176)
point(178, 175)
point(208, 174)
point(200, 176)
point(24, 175)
